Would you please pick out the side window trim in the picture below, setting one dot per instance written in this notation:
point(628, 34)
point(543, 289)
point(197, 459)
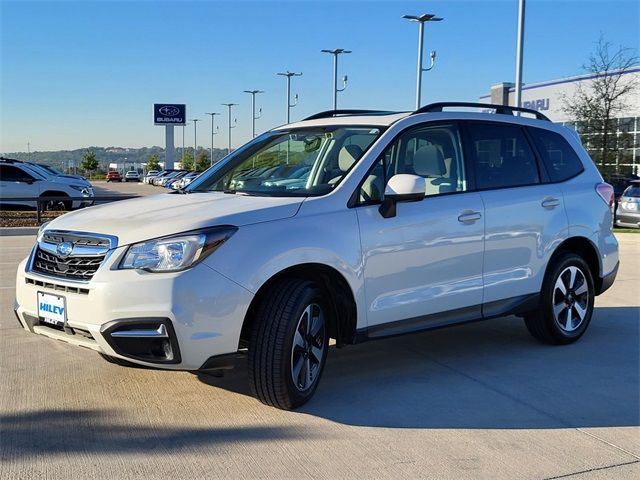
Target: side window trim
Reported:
point(354, 199)
point(542, 169)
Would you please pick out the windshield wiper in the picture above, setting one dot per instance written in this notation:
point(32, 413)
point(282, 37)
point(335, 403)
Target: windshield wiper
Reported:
point(229, 191)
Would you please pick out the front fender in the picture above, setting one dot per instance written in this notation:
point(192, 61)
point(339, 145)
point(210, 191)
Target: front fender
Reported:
point(256, 253)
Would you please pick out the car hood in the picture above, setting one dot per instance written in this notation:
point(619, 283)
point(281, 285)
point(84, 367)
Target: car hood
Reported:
point(155, 216)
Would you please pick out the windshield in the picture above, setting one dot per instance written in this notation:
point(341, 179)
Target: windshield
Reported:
point(632, 191)
point(302, 162)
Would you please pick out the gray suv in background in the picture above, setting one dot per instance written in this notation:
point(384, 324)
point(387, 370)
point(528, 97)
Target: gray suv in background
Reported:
point(628, 212)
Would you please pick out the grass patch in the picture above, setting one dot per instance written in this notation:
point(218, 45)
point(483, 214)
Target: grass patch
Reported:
point(25, 218)
point(625, 230)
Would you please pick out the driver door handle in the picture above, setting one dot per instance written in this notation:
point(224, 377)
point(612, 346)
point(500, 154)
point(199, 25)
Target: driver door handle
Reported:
point(469, 216)
point(550, 202)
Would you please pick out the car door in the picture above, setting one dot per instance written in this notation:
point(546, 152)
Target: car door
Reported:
point(423, 267)
point(16, 183)
point(524, 217)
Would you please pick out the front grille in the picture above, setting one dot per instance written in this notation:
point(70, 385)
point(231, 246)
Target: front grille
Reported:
point(77, 240)
point(74, 268)
point(56, 286)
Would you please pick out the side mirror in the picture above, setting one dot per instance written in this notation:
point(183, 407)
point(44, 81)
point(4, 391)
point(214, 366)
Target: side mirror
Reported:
point(401, 188)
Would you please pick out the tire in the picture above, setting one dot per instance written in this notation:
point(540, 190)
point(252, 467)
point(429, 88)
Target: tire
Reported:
point(279, 348)
point(119, 361)
point(52, 205)
point(573, 310)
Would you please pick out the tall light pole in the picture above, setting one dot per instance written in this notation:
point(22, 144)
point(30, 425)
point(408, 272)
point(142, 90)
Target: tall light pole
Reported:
point(519, 48)
point(230, 105)
point(213, 132)
point(335, 52)
point(289, 74)
point(421, 19)
point(195, 141)
point(253, 110)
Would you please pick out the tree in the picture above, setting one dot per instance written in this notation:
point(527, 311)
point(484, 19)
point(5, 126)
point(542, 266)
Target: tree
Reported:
point(187, 162)
point(203, 161)
point(89, 162)
point(153, 163)
point(596, 105)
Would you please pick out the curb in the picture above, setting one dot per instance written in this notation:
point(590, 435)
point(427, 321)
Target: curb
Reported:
point(16, 231)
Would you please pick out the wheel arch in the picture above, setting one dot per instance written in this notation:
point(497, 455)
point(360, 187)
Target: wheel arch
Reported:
point(343, 323)
point(586, 249)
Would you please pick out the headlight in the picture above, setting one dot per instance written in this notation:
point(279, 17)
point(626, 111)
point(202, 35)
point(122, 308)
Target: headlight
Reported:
point(171, 254)
point(81, 188)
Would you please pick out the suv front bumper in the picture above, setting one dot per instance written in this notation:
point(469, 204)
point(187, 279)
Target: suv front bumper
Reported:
point(202, 309)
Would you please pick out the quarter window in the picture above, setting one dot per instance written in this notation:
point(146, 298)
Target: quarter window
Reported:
point(432, 152)
point(559, 158)
point(502, 156)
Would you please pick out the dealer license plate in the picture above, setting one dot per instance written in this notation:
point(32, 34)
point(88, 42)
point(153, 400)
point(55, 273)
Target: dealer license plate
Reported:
point(52, 309)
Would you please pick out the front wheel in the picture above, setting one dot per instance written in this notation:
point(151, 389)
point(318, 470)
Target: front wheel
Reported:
point(289, 344)
point(566, 302)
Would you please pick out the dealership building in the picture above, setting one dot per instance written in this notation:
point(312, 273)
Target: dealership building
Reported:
point(547, 97)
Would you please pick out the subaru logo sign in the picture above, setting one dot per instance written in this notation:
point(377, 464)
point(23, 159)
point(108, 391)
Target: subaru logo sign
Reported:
point(169, 113)
point(64, 249)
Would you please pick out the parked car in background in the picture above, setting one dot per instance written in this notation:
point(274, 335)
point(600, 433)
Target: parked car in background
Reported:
point(132, 176)
point(184, 181)
point(162, 180)
point(406, 222)
point(55, 171)
point(167, 171)
point(150, 175)
point(22, 179)
point(628, 210)
point(179, 176)
point(113, 176)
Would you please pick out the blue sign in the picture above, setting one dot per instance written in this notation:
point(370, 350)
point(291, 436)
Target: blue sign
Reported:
point(169, 113)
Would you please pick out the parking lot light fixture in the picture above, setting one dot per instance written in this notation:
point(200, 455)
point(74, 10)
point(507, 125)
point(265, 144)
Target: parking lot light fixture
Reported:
point(231, 125)
point(335, 52)
point(289, 74)
point(213, 132)
point(421, 19)
point(253, 110)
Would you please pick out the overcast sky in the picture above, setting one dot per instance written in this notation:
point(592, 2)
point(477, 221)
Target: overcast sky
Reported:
point(78, 74)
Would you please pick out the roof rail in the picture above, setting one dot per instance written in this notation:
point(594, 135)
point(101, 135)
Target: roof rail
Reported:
point(500, 109)
point(10, 160)
point(336, 113)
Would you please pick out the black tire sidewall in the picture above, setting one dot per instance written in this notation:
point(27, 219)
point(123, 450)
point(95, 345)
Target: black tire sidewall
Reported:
point(310, 295)
point(566, 260)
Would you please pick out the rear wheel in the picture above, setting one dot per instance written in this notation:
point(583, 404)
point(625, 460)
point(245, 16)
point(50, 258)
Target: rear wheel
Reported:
point(566, 302)
point(289, 344)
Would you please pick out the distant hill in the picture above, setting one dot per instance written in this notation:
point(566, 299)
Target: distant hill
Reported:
point(65, 159)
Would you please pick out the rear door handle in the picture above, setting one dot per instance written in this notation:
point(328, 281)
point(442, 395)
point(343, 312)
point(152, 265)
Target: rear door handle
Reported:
point(469, 216)
point(550, 202)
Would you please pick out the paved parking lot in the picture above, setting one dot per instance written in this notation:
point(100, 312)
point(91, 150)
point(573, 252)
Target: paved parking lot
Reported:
point(476, 401)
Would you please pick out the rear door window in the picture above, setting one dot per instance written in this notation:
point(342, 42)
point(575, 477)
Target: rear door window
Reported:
point(502, 156)
point(560, 160)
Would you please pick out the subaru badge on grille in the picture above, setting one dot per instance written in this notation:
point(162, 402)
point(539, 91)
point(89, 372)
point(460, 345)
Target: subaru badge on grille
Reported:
point(64, 249)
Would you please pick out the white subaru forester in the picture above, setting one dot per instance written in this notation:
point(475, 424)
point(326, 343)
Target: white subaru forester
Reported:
point(349, 225)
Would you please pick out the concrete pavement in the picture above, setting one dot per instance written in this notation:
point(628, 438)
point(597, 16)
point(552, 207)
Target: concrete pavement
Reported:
point(477, 401)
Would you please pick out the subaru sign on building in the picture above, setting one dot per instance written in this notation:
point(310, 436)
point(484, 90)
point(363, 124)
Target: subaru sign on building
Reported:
point(169, 113)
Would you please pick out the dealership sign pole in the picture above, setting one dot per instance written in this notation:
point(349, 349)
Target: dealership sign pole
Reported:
point(169, 115)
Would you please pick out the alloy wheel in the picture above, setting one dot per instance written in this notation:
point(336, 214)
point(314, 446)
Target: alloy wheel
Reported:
point(308, 347)
point(570, 299)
